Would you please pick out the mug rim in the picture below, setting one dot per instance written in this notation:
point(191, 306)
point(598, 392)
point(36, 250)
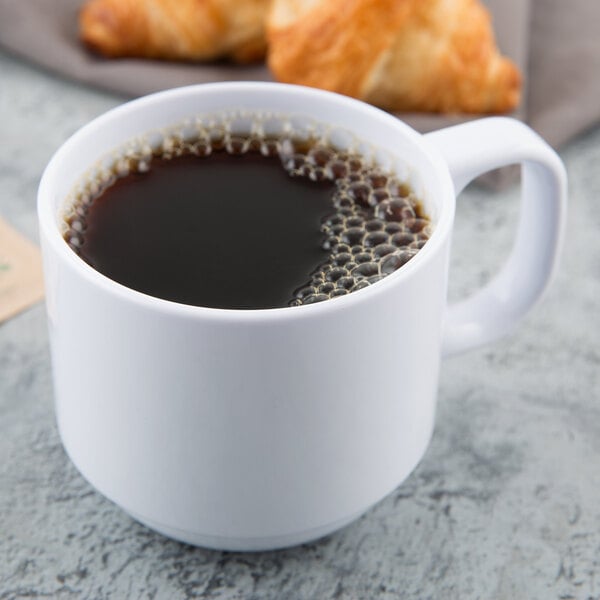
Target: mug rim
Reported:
point(49, 226)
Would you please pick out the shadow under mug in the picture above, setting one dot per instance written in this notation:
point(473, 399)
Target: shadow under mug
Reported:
point(260, 429)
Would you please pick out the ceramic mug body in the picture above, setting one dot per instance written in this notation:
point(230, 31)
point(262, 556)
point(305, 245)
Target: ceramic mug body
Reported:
point(256, 429)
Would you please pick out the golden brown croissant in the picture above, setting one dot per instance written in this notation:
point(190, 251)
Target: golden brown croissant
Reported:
point(403, 55)
point(176, 29)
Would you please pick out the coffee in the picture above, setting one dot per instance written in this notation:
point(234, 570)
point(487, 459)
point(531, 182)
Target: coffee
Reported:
point(246, 220)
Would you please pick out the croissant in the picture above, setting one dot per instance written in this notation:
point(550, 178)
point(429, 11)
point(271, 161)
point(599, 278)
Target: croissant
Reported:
point(402, 55)
point(176, 29)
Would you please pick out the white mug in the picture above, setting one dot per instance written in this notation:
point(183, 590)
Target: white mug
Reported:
point(260, 429)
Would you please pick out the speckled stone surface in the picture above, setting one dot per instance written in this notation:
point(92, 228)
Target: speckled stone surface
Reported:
point(504, 505)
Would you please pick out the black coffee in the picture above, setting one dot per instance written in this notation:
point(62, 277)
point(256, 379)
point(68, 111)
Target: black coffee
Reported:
point(240, 222)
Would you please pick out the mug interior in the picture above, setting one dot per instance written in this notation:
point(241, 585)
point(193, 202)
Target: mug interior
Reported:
point(392, 142)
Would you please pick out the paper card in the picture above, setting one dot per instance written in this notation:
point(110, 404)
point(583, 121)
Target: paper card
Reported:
point(21, 281)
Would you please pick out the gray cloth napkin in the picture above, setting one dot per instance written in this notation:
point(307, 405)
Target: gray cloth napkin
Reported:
point(555, 44)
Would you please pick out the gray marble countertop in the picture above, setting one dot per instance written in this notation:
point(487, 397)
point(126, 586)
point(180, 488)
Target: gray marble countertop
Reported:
point(504, 505)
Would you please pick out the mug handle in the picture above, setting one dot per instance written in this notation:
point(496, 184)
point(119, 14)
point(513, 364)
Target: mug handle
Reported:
point(471, 149)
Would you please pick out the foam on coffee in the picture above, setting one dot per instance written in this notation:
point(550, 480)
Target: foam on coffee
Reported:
point(376, 223)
